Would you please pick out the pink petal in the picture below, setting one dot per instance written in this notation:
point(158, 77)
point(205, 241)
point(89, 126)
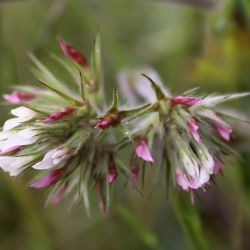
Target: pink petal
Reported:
point(217, 166)
point(11, 149)
point(73, 53)
point(18, 96)
point(185, 100)
point(58, 195)
point(142, 150)
point(134, 178)
point(48, 179)
point(193, 127)
point(108, 121)
point(223, 130)
point(112, 173)
point(58, 114)
point(182, 179)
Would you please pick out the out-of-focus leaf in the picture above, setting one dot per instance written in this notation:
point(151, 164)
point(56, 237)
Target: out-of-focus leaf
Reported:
point(144, 233)
point(190, 221)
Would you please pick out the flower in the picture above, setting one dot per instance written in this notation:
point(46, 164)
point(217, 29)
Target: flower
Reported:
point(185, 100)
point(112, 172)
point(193, 127)
point(58, 114)
point(15, 165)
point(53, 158)
point(58, 195)
point(12, 141)
point(73, 53)
point(48, 179)
point(142, 150)
point(18, 96)
point(135, 170)
point(106, 122)
point(23, 114)
point(224, 130)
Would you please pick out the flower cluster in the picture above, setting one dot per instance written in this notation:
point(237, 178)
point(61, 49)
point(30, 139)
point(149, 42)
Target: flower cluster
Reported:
point(70, 142)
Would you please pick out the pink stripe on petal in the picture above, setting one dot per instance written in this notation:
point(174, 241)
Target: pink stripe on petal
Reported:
point(48, 179)
point(142, 150)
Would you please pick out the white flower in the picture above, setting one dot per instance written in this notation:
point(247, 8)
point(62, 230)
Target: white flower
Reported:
point(53, 158)
point(14, 165)
point(191, 165)
point(10, 140)
point(22, 114)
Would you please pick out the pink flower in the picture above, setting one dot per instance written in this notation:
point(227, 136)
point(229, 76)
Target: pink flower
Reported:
point(217, 166)
point(49, 179)
point(108, 121)
point(58, 114)
point(53, 158)
point(58, 195)
point(112, 173)
point(135, 174)
point(188, 182)
point(193, 127)
point(142, 150)
point(185, 100)
point(224, 130)
point(73, 53)
point(18, 96)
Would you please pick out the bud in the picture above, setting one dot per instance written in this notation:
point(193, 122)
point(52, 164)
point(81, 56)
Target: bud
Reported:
point(185, 100)
point(48, 179)
point(142, 150)
point(18, 96)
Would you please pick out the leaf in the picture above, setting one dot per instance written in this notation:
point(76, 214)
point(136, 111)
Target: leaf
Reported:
point(213, 100)
point(144, 233)
point(96, 59)
point(190, 221)
point(159, 93)
point(70, 99)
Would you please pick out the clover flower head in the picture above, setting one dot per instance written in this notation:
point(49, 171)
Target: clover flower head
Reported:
point(69, 146)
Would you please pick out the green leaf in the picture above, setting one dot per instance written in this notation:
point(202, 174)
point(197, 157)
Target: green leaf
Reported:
point(159, 93)
point(190, 221)
point(96, 59)
point(144, 233)
point(69, 99)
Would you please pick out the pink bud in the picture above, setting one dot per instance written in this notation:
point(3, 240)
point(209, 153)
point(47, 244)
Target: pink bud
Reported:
point(217, 166)
point(108, 121)
point(58, 114)
point(185, 100)
point(112, 173)
point(73, 53)
point(58, 195)
point(18, 96)
point(134, 178)
point(49, 179)
point(142, 150)
point(224, 130)
point(193, 127)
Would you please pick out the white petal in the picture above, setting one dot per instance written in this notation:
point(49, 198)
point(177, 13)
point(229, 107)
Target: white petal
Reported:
point(14, 165)
point(23, 112)
point(12, 123)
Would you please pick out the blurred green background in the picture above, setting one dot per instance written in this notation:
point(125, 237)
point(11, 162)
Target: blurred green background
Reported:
point(193, 43)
